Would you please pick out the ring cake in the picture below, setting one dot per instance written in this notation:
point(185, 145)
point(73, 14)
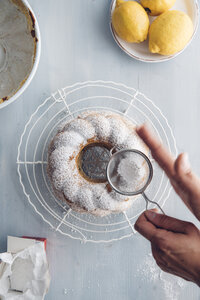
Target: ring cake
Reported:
point(78, 156)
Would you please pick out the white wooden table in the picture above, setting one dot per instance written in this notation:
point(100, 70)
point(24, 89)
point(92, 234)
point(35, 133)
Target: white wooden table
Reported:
point(76, 46)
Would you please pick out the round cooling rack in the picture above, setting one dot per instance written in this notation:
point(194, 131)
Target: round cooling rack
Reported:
point(66, 104)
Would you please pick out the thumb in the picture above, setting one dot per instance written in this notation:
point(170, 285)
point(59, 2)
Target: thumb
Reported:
point(187, 184)
point(166, 222)
point(144, 227)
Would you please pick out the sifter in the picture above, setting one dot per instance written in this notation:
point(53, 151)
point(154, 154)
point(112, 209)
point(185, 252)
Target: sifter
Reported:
point(129, 172)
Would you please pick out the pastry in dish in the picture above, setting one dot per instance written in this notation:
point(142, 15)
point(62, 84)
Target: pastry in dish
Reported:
point(17, 46)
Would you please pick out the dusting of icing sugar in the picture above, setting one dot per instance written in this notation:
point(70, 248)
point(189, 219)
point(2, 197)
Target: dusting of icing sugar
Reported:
point(131, 173)
point(133, 142)
point(82, 127)
point(62, 166)
point(170, 286)
point(63, 139)
point(129, 170)
point(119, 131)
point(101, 125)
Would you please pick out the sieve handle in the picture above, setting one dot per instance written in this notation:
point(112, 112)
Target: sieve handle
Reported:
point(148, 200)
point(113, 150)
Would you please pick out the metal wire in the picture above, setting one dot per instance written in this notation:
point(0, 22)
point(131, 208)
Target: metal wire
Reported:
point(147, 200)
point(66, 104)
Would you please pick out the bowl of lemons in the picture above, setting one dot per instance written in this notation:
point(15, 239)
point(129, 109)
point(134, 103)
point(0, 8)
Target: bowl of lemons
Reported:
point(154, 30)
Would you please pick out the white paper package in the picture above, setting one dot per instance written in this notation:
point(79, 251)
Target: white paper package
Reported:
point(24, 275)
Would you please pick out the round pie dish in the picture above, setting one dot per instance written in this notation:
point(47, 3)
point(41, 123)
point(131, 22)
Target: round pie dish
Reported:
point(20, 47)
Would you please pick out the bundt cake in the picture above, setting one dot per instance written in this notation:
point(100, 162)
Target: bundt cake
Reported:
point(78, 157)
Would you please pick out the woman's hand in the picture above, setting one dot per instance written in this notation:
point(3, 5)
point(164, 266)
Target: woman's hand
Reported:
point(175, 244)
point(184, 181)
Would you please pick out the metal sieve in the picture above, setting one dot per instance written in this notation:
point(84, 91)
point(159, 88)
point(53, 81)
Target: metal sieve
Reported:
point(129, 172)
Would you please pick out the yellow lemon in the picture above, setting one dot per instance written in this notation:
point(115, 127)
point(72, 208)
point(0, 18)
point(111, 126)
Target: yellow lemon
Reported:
point(130, 21)
point(157, 7)
point(170, 32)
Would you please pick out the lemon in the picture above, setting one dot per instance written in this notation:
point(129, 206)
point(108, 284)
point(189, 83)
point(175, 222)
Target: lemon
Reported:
point(157, 7)
point(170, 32)
point(130, 21)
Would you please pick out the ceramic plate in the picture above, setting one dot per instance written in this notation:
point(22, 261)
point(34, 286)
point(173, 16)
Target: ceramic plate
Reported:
point(19, 49)
point(140, 51)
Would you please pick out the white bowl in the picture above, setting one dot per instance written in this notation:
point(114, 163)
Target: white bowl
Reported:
point(141, 51)
point(33, 67)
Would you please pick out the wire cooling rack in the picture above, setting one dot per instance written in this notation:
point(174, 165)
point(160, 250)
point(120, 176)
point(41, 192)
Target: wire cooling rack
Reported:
point(66, 104)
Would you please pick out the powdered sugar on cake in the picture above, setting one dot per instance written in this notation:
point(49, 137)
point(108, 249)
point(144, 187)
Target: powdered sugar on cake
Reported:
point(67, 181)
point(131, 173)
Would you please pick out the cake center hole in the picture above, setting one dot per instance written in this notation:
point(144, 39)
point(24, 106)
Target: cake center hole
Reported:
point(93, 161)
point(2, 57)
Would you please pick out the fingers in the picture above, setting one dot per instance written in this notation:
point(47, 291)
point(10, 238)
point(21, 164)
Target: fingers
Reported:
point(185, 178)
point(159, 152)
point(182, 165)
point(169, 223)
point(187, 184)
point(184, 181)
point(145, 227)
